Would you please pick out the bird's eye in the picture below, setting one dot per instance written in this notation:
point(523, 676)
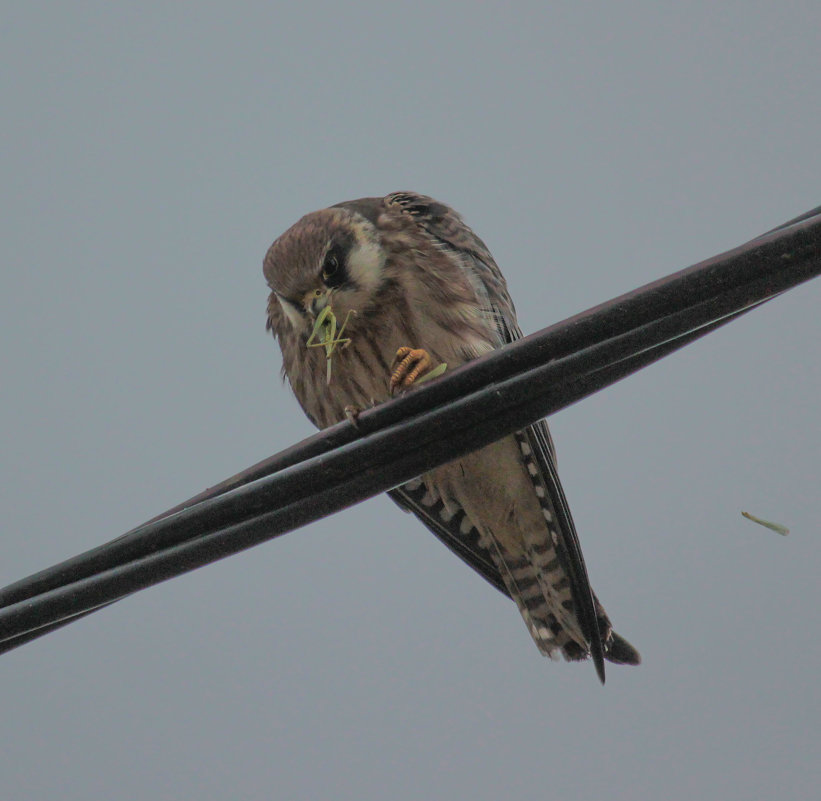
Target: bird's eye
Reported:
point(333, 267)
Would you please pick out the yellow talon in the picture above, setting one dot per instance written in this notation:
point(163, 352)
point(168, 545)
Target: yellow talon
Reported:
point(408, 365)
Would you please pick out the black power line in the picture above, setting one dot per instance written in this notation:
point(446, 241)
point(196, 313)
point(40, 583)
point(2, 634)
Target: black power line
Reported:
point(466, 409)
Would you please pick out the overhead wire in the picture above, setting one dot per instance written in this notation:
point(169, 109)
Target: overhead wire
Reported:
point(391, 443)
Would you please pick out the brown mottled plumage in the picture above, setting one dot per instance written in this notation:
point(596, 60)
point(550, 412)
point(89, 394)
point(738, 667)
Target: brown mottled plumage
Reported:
point(413, 274)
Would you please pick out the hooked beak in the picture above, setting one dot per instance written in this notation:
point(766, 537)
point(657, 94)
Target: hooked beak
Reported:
point(315, 301)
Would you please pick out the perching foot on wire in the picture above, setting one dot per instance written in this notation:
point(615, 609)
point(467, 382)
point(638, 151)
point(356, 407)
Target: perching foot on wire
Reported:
point(352, 413)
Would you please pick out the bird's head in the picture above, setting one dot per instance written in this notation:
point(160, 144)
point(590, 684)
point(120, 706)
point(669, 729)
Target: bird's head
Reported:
point(332, 257)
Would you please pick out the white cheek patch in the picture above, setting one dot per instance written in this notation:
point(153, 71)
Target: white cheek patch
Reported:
point(365, 261)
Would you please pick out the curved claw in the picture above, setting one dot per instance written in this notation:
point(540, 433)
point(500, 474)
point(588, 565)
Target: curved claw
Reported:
point(352, 415)
point(408, 365)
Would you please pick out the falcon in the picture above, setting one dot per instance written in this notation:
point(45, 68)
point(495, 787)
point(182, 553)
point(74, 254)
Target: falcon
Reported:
point(373, 295)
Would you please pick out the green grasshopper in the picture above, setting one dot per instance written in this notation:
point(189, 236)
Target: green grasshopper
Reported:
point(325, 335)
point(777, 527)
point(434, 373)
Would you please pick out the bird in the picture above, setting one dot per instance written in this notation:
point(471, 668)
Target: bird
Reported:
point(370, 296)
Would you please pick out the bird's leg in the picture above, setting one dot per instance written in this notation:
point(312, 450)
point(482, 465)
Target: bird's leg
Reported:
point(352, 415)
point(408, 365)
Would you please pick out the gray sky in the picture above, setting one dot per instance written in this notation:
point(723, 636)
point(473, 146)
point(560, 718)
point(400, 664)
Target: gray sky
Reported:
point(152, 153)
